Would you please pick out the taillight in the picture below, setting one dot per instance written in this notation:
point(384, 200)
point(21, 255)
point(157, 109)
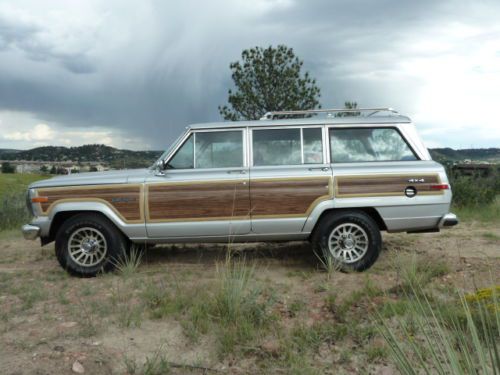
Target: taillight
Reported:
point(440, 187)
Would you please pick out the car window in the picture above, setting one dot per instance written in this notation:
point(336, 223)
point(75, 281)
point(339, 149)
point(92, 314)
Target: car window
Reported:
point(219, 149)
point(313, 145)
point(276, 147)
point(368, 144)
point(210, 150)
point(184, 157)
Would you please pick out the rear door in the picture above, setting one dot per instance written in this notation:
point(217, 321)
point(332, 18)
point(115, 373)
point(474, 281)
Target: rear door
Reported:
point(289, 176)
point(204, 191)
point(374, 166)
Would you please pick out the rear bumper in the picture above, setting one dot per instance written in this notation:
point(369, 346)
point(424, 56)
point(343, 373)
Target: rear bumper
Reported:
point(30, 232)
point(448, 220)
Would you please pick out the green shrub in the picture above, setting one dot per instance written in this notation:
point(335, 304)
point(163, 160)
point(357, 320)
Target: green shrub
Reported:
point(470, 191)
point(13, 211)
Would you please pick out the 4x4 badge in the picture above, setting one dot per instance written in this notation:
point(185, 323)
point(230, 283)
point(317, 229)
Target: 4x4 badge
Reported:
point(416, 180)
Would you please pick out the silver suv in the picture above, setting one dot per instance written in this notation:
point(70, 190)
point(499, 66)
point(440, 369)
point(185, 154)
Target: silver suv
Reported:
point(336, 180)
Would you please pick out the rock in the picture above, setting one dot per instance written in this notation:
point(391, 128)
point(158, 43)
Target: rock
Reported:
point(96, 343)
point(271, 347)
point(78, 367)
point(68, 324)
point(385, 370)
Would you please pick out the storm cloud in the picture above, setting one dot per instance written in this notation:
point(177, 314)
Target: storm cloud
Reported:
point(141, 71)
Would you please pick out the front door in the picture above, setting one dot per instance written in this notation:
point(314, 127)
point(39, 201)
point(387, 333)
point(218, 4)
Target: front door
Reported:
point(204, 190)
point(288, 178)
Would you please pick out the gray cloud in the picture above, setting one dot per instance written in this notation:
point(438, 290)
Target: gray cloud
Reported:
point(150, 68)
point(29, 37)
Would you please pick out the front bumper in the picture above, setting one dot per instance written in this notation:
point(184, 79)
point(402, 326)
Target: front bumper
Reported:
point(448, 220)
point(30, 232)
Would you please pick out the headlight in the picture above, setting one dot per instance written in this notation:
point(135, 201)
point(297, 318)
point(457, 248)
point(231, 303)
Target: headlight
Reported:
point(29, 205)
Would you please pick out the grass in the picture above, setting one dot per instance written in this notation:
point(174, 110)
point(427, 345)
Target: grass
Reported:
point(17, 182)
point(451, 334)
point(327, 263)
point(87, 321)
point(13, 211)
point(491, 236)
point(418, 271)
point(463, 340)
point(487, 213)
point(128, 264)
point(234, 307)
point(157, 364)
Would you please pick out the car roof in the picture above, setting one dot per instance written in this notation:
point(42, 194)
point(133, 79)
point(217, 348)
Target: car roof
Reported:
point(355, 120)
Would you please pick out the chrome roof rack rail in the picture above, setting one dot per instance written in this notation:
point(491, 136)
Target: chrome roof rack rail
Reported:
point(329, 112)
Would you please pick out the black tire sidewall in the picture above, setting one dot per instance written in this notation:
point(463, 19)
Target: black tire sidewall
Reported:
point(329, 223)
point(116, 244)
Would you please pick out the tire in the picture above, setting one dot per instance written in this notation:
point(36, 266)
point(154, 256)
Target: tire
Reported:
point(351, 239)
point(88, 243)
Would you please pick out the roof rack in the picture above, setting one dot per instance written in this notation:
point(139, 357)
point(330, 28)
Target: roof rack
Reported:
point(329, 112)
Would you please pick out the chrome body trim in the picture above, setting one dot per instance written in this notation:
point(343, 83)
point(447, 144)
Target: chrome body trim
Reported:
point(228, 239)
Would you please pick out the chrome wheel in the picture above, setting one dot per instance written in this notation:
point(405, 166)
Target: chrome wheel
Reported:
point(348, 243)
point(87, 247)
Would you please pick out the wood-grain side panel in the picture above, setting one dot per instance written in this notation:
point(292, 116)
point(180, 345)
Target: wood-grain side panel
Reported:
point(124, 200)
point(384, 185)
point(288, 197)
point(194, 201)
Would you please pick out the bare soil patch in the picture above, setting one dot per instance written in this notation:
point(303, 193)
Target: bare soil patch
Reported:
point(49, 320)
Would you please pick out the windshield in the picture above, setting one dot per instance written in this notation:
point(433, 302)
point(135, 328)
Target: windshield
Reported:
point(169, 149)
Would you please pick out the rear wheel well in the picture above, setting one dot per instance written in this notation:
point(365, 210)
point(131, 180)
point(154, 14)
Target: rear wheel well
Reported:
point(61, 217)
point(370, 211)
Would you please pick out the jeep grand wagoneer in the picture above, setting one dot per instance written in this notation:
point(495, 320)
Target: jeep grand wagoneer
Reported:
point(336, 180)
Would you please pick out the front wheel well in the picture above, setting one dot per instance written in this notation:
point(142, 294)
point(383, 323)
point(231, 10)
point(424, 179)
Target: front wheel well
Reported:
point(370, 211)
point(61, 217)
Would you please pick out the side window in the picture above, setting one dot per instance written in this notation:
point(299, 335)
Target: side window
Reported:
point(368, 144)
point(287, 146)
point(210, 150)
point(184, 157)
point(312, 139)
point(276, 147)
point(219, 149)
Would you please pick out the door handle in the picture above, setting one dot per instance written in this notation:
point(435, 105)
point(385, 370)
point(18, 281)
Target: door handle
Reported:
point(324, 169)
point(237, 171)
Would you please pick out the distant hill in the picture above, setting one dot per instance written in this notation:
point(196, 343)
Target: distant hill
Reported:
point(111, 156)
point(474, 154)
point(117, 158)
point(7, 151)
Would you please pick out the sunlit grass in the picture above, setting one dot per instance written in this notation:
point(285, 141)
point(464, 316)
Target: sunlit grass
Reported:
point(487, 213)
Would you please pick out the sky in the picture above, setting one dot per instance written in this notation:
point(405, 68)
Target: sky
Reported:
point(134, 74)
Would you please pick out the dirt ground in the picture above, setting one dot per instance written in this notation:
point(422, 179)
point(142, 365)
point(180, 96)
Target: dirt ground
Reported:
point(50, 322)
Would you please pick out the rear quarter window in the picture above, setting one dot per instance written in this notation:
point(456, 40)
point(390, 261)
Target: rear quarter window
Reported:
point(355, 145)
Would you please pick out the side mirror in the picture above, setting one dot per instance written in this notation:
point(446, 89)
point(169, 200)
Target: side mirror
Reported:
point(160, 168)
point(160, 164)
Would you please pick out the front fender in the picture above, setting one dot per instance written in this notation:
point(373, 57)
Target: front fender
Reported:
point(135, 230)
